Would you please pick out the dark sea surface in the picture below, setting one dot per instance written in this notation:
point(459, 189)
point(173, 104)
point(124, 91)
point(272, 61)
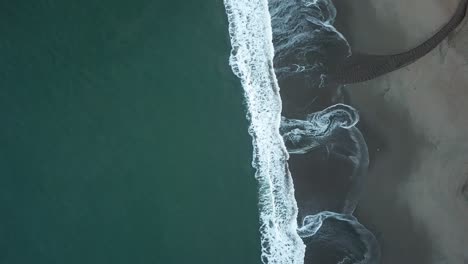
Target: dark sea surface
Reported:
point(123, 135)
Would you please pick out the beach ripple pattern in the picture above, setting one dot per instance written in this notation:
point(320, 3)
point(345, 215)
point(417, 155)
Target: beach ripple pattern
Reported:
point(252, 61)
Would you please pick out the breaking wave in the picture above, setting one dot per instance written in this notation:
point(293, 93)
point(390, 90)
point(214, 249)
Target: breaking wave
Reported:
point(290, 44)
point(252, 61)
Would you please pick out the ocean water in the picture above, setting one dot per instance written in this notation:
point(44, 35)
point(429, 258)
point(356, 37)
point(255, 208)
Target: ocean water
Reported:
point(167, 132)
point(123, 136)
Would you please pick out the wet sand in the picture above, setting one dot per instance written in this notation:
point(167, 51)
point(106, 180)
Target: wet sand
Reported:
point(414, 121)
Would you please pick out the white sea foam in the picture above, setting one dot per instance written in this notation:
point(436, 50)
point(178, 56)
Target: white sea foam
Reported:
point(312, 223)
point(302, 136)
point(252, 61)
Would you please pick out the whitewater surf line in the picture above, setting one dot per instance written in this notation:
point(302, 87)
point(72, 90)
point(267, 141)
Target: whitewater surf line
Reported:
point(252, 61)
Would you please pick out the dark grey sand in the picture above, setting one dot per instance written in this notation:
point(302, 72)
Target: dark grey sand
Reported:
point(416, 125)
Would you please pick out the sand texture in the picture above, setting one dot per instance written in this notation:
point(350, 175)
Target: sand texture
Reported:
point(416, 125)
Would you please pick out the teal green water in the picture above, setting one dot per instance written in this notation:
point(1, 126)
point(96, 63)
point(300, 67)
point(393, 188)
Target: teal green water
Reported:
point(123, 136)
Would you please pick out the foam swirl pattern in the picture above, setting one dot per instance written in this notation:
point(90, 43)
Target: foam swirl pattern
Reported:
point(305, 40)
point(306, 45)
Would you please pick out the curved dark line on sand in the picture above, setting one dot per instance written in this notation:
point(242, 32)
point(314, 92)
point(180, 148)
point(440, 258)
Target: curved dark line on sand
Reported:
point(364, 67)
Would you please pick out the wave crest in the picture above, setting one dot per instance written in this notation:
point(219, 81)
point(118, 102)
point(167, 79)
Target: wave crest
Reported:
point(252, 61)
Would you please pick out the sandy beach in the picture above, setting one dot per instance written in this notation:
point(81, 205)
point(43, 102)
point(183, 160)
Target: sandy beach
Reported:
point(414, 121)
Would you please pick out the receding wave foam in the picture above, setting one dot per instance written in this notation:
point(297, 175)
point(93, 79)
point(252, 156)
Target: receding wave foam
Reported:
point(252, 61)
point(338, 238)
point(305, 40)
point(300, 136)
point(334, 130)
point(306, 45)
